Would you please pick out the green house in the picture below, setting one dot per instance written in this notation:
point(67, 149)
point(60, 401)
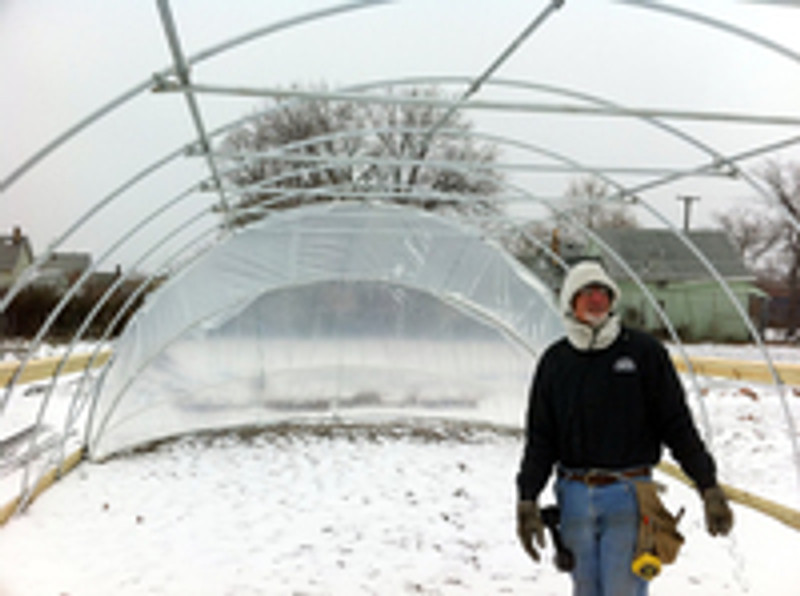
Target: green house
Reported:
point(696, 303)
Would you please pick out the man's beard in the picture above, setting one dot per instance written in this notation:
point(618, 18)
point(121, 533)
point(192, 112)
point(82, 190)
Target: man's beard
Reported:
point(594, 320)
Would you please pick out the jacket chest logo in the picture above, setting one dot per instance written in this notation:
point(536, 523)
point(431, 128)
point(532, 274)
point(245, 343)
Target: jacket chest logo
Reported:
point(624, 364)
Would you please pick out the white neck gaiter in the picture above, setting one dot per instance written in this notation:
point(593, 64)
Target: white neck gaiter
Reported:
point(586, 337)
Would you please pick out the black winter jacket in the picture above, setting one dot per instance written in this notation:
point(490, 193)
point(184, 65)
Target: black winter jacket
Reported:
point(612, 408)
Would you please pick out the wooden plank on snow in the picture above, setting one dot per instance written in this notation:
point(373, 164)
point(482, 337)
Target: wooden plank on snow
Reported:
point(744, 370)
point(44, 368)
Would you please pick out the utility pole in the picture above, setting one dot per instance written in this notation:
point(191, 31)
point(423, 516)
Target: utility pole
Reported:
point(687, 209)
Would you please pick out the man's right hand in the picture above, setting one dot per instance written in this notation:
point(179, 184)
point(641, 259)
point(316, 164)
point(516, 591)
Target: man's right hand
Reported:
point(530, 524)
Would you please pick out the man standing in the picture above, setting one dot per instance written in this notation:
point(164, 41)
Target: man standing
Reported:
point(604, 401)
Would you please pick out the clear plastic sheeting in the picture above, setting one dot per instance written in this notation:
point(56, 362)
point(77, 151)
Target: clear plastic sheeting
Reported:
point(343, 309)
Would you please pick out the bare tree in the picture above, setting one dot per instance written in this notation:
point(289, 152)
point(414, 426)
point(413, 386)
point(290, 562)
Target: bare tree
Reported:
point(334, 147)
point(589, 203)
point(768, 236)
point(753, 233)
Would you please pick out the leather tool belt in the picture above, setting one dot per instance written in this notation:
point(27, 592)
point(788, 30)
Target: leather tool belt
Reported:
point(603, 477)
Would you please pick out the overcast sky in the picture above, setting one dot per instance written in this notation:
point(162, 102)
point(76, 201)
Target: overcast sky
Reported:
point(62, 59)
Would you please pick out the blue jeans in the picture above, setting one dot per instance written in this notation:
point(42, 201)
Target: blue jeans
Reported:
point(599, 525)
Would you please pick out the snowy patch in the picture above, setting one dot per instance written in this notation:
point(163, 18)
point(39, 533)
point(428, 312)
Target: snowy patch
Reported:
point(422, 506)
point(416, 508)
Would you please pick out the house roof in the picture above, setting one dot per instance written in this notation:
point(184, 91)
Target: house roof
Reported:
point(11, 251)
point(67, 262)
point(660, 255)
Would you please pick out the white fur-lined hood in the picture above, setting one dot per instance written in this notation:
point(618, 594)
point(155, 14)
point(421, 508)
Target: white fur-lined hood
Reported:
point(581, 335)
point(583, 274)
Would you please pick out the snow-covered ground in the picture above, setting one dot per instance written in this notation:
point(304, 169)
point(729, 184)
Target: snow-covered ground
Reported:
point(332, 510)
point(411, 507)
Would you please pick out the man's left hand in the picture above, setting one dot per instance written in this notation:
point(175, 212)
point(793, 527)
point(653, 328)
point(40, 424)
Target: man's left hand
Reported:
point(719, 517)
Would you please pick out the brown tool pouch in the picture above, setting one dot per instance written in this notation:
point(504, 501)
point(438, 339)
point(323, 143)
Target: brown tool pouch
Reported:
point(658, 528)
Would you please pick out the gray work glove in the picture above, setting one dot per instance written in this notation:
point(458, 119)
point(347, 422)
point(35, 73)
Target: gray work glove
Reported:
point(719, 517)
point(530, 524)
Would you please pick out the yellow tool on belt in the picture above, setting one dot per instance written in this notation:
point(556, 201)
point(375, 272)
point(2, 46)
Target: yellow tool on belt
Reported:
point(647, 565)
point(658, 540)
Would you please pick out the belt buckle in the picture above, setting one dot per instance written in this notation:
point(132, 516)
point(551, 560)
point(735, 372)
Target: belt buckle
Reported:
point(595, 477)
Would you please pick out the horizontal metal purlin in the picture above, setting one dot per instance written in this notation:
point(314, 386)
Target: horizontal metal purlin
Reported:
point(518, 167)
point(529, 107)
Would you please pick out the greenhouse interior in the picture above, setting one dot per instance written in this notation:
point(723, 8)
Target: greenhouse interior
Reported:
point(394, 247)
